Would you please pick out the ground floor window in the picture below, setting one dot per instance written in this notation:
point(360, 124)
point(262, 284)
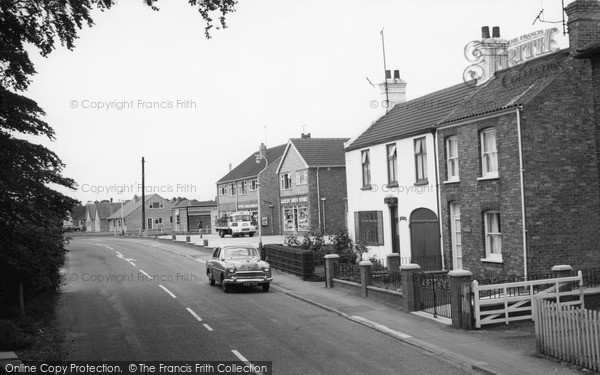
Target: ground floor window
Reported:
point(493, 238)
point(295, 219)
point(368, 227)
point(149, 226)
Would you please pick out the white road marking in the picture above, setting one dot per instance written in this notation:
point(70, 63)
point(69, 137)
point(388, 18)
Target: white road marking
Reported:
point(148, 276)
point(241, 357)
point(119, 255)
point(207, 327)
point(194, 314)
point(168, 291)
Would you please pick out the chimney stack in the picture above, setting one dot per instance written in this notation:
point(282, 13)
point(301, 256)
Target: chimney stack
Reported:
point(494, 52)
point(305, 136)
point(262, 150)
point(485, 32)
point(396, 90)
point(583, 23)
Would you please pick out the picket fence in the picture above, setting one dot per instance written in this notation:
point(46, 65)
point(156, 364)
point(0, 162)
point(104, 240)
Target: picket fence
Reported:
point(568, 333)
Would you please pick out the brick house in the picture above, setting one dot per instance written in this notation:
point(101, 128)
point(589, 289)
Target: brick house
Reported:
point(312, 185)
point(192, 215)
point(525, 195)
point(128, 218)
point(237, 190)
point(392, 179)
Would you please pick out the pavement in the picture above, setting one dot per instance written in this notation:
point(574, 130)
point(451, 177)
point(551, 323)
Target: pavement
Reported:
point(498, 350)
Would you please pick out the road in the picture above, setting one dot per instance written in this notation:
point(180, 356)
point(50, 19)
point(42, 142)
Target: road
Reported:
point(127, 300)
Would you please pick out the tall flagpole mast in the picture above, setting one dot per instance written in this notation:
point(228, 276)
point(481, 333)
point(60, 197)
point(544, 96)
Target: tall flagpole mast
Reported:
point(387, 99)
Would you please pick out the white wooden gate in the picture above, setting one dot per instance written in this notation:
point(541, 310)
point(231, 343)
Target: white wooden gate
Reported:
point(510, 302)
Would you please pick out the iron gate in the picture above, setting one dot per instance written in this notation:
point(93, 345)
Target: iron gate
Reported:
point(432, 293)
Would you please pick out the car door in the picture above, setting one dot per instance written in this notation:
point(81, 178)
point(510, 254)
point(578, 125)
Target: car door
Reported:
point(214, 264)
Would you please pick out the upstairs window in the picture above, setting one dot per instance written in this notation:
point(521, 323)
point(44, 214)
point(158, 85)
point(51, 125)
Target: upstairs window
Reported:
point(243, 187)
point(489, 154)
point(452, 158)
point(156, 205)
point(253, 185)
point(302, 177)
point(366, 169)
point(222, 189)
point(286, 181)
point(421, 160)
point(392, 161)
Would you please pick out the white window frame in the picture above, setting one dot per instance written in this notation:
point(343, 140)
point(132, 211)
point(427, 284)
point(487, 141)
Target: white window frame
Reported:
point(285, 181)
point(302, 177)
point(158, 220)
point(452, 170)
point(493, 236)
point(421, 173)
point(253, 185)
point(365, 161)
point(149, 222)
point(243, 187)
point(392, 163)
point(222, 189)
point(489, 156)
point(456, 236)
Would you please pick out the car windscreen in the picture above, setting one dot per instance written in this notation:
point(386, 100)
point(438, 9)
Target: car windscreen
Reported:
point(240, 252)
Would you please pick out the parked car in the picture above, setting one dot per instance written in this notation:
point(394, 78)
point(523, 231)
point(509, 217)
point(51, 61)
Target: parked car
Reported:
point(238, 265)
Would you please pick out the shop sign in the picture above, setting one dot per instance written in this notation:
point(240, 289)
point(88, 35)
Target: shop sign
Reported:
point(294, 200)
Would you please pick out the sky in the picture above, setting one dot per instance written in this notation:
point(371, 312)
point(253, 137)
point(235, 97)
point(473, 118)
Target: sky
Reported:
point(148, 84)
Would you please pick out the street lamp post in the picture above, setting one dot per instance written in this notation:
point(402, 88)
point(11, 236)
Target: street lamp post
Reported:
point(259, 156)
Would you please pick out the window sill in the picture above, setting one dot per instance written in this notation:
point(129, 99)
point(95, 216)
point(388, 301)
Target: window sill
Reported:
point(422, 183)
point(489, 177)
point(393, 184)
point(496, 259)
point(367, 187)
point(451, 182)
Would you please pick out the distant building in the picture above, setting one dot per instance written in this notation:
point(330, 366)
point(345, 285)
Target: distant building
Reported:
point(96, 216)
point(237, 190)
point(128, 219)
point(312, 185)
point(193, 215)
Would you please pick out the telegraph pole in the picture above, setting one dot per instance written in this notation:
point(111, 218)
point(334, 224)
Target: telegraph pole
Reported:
point(387, 98)
point(143, 199)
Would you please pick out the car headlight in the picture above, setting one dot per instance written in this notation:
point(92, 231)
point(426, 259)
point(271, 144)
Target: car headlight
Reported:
point(266, 269)
point(231, 270)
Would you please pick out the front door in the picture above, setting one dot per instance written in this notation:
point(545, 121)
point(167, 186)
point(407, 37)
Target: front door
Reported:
point(395, 229)
point(425, 239)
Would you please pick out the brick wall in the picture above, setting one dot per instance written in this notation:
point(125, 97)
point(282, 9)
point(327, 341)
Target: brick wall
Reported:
point(561, 173)
point(476, 196)
point(332, 182)
point(269, 195)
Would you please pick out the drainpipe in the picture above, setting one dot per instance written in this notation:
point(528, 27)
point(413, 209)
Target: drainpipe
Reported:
point(522, 192)
point(437, 195)
point(319, 199)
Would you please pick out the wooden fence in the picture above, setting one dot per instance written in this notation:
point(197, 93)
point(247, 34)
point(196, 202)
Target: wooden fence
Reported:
point(508, 302)
point(568, 333)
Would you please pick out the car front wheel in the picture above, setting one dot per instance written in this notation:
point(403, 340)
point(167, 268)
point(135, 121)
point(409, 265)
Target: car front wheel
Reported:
point(211, 279)
point(224, 285)
point(266, 287)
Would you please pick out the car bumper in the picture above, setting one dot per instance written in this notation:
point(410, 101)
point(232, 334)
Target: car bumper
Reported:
point(241, 281)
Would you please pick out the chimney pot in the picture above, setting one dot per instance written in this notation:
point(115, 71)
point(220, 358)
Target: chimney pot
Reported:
point(396, 74)
point(388, 74)
point(496, 32)
point(485, 32)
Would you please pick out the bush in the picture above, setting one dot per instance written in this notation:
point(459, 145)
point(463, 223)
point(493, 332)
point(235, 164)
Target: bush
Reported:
point(291, 240)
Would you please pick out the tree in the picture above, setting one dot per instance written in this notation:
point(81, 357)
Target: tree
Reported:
point(32, 244)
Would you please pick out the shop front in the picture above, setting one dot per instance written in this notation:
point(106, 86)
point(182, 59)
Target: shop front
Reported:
point(296, 213)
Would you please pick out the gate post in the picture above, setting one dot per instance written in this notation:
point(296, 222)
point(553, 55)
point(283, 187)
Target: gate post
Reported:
point(393, 261)
point(563, 270)
point(365, 275)
point(461, 316)
point(331, 260)
point(187, 239)
point(173, 237)
point(408, 286)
